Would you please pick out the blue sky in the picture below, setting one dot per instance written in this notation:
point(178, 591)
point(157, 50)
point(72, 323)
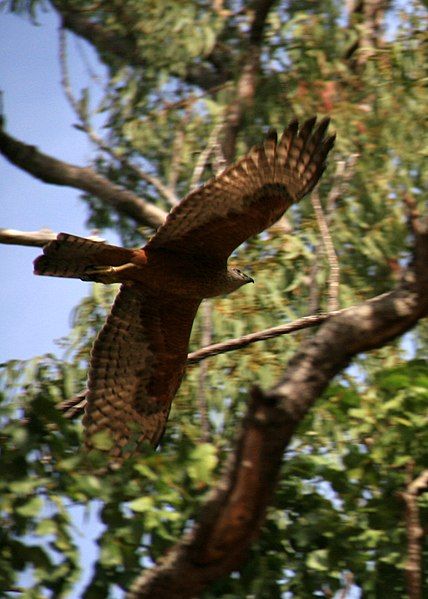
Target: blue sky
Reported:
point(36, 310)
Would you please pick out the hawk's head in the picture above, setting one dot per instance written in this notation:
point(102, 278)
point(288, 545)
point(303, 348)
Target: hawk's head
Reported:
point(239, 278)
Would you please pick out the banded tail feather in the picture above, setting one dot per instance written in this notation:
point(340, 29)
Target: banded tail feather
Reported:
point(72, 256)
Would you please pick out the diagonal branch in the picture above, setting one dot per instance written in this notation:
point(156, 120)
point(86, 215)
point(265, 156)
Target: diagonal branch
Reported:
point(52, 170)
point(35, 238)
point(232, 516)
point(27, 238)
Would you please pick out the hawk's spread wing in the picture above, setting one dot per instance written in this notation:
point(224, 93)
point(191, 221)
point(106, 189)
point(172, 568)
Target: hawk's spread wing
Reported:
point(136, 367)
point(249, 196)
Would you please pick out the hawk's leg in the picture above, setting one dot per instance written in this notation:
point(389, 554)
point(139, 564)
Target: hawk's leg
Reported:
point(107, 274)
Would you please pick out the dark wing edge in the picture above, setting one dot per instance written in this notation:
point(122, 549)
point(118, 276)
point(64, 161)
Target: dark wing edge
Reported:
point(253, 193)
point(136, 367)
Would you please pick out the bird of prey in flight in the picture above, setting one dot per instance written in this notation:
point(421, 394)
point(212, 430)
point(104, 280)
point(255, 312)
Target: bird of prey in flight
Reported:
point(138, 359)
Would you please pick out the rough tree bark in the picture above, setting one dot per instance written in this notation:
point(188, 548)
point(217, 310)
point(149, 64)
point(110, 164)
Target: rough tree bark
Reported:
point(413, 568)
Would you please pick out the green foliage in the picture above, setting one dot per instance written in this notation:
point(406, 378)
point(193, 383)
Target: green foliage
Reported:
point(337, 502)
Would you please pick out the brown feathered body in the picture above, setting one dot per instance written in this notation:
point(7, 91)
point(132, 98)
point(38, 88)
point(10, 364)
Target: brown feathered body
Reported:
point(138, 359)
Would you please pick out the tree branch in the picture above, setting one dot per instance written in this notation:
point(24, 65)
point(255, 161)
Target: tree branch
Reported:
point(29, 238)
point(51, 170)
point(366, 17)
point(247, 82)
point(203, 157)
point(334, 275)
point(344, 172)
point(232, 516)
point(163, 190)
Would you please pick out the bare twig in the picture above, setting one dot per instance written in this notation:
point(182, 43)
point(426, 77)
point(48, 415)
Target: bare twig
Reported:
point(28, 238)
point(34, 238)
point(333, 279)
point(204, 156)
point(239, 343)
point(164, 190)
point(50, 170)
point(203, 370)
point(344, 172)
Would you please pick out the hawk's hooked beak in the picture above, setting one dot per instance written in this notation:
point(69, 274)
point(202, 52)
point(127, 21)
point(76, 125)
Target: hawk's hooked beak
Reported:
point(249, 279)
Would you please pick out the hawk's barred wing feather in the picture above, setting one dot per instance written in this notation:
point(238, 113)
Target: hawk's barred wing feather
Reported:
point(137, 364)
point(249, 196)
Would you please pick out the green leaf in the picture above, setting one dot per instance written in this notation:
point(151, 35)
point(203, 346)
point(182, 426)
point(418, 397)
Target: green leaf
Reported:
point(30, 508)
point(203, 460)
point(142, 504)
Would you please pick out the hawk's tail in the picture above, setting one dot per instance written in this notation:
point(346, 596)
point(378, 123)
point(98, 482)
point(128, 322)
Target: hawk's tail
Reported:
point(72, 257)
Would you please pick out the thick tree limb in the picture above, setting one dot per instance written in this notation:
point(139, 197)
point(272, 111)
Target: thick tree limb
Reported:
point(29, 238)
point(51, 170)
point(232, 516)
